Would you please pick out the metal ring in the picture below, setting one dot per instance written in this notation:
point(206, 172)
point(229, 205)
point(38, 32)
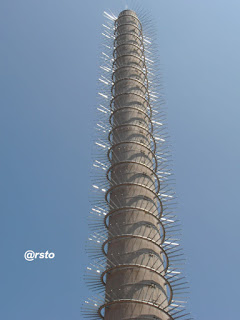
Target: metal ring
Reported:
point(135, 94)
point(148, 144)
point(125, 266)
point(129, 66)
point(129, 34)
point(137, 237)
point(132, 79)
point(144, 74)
point(146, 127)
point(127, 24)
point(127, 15)
point(137, 185)
point(132, 301)
point(134, 108)
point(133, 125)
point(127, 44)
point(137, 163)
point(129, 55)
point(114, 65)
point(131, 184)
point(139, 209)
point(131, 142)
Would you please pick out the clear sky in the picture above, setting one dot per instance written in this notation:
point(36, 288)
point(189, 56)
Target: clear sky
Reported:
point(49, 66)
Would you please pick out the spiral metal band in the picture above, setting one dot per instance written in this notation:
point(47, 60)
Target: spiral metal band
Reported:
point(137, 163)
point(110, 151)
point(130, 67)
point(115, 51)
point(134, 94)
point(128, 34)
point(127, 24)
point(127, 15)
point(136, 126)
point(138, 185)
point(146, 212)
point(132, 79)
point(131, 236)
point(134, 109)
point(130, 266)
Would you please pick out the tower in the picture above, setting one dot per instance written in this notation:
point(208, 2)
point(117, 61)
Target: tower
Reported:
point(136, 274)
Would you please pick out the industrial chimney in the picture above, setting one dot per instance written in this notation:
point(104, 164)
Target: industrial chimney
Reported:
point(134, 246)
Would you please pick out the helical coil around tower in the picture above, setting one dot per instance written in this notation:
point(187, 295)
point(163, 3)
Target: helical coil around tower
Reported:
point(132, 251)
point(136, 261)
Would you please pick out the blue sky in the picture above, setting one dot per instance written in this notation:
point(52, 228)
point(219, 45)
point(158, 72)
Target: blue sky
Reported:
point(49, 66)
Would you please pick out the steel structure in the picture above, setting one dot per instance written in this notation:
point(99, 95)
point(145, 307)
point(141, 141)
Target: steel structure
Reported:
point(133, 254)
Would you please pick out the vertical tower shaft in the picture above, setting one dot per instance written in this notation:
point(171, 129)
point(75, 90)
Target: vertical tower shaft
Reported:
point(135, 276)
